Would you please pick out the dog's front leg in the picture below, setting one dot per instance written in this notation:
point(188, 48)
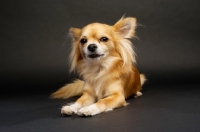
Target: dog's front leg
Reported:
point(113, 101)
point(85, 100)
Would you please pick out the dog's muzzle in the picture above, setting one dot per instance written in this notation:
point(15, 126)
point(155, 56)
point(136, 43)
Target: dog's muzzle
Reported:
point(92, 48)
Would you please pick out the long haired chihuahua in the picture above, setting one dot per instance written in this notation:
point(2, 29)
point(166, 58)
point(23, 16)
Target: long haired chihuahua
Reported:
point(103, 56)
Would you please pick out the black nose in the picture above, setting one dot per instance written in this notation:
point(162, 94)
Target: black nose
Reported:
point(92, 47)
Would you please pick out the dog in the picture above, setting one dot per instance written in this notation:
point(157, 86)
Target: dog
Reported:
point(104, 57)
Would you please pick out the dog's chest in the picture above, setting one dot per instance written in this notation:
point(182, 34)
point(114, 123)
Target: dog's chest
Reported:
point(93, 72)
point(98, 91)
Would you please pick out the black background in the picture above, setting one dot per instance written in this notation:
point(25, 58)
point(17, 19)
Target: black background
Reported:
point(34, 46)
point(34, 50)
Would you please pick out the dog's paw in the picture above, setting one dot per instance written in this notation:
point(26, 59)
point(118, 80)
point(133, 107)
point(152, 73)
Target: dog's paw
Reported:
point(89, 111)
point(69, 110)
point(138, 94)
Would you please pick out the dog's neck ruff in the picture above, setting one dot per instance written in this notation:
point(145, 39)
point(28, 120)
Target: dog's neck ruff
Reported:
point(90, 68)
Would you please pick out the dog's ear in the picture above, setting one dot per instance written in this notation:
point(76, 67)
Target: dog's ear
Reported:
point(75, 55)
point(74, 33)
point(126, 27)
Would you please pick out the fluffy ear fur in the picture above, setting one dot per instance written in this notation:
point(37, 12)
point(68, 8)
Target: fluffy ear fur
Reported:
point(74, 33)
point(75, 55)
point(126, 27)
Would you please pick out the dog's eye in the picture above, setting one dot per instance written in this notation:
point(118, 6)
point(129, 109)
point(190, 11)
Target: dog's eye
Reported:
point(103, 39)
point(83, 41)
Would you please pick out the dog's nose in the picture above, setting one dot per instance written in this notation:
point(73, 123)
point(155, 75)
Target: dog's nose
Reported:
point(92, 47)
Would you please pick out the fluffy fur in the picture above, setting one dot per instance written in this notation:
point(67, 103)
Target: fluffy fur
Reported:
point(103, 56)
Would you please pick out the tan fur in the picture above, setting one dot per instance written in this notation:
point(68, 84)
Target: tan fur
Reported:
point(69, 90)
point(142, 79)
point(108, 80)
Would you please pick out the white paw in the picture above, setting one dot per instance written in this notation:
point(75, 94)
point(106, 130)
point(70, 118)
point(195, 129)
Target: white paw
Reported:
point(70, 110)
point(89, 110)
point(138, 94)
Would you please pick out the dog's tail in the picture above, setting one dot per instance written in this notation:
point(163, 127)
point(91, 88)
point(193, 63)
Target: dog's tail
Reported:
point(69, 90)
point(142, 79)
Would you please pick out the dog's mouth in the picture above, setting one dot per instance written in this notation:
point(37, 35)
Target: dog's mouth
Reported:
point(95, 55)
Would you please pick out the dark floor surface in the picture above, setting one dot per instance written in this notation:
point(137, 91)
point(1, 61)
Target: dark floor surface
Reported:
point(169, 108)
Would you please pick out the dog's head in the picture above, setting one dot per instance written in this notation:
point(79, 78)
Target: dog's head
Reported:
point(97, 41)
